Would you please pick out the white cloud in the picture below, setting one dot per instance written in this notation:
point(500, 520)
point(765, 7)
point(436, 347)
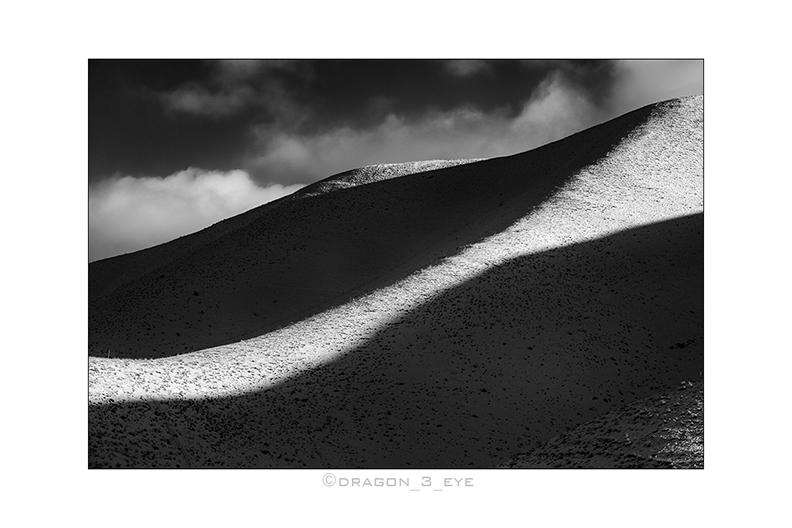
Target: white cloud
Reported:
point(126, 213)
point(556, 109)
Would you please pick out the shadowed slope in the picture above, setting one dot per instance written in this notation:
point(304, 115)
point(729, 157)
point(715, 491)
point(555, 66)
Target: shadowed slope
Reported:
point(277, 266)
point(108, 274)
point(492, 367)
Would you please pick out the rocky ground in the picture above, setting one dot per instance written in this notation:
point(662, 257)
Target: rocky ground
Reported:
point(661, 431)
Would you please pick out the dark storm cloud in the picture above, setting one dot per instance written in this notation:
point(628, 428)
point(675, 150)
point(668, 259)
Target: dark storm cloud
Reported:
point(129, 131)
point(260, 89)
point(364, 112)
point(465, 67)
point(556, 107)
point(351, 93)
point(158, 117)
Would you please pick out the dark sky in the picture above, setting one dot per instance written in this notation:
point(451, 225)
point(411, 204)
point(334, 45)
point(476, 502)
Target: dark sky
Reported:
point(175, 145)
point(141, 121)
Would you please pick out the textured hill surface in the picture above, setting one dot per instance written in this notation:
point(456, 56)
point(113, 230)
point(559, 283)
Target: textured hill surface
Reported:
point(447, 318)
point(663, 431)
point(107, 274)
point(293, 258)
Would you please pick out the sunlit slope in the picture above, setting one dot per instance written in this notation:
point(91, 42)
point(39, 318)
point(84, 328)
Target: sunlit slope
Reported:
point(303, 255)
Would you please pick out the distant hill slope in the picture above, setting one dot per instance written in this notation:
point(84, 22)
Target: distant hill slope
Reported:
point(375, 173)
point(302, 255)
point(107, 274)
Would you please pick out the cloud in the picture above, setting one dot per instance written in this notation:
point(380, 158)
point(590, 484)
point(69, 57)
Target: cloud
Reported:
point(198, 100)
point(270, 97)
point(465, 67)
point(229, 70)
point(642, 82)
point(127, 213)
point(237, 85)
point(556, 109)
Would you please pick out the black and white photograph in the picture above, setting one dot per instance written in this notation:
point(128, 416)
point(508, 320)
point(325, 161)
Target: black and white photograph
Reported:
point(396, 264)
point(417, 264)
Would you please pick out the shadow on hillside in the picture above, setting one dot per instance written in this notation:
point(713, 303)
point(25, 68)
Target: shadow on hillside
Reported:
point(316, 253)
point(488, 369)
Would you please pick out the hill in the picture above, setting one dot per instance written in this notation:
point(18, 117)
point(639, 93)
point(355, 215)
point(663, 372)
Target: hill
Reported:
point(303, 255)
point(445, 318)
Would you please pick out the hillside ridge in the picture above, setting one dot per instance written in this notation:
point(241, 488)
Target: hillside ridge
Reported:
point(386, 234)
point(482, 310)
